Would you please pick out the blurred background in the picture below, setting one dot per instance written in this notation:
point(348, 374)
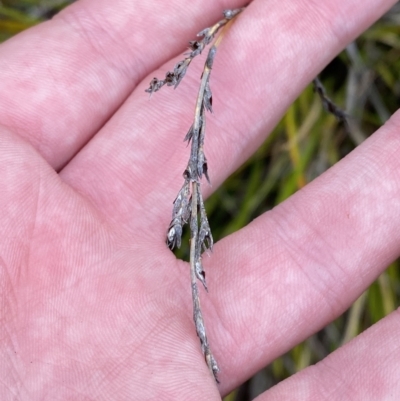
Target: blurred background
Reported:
point(364, 80)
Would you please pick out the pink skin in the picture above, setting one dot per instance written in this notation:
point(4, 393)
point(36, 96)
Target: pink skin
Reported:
point(94, 306)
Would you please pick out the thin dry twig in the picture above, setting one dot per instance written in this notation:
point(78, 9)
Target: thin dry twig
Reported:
point(189, 203)
point(329, 105)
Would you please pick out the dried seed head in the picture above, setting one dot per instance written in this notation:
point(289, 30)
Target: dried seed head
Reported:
point(208, 98)
point(229, 14)
point(205, 236)
point(174, 235)
point(211, 56)
point(180, 216)
point(214, 367)
point(196, 48)
point(200, 274)
point(180, 71)
point(199, 322)
point(200, 164)
point(205, 32)
point(155, 85)
point(189, 135)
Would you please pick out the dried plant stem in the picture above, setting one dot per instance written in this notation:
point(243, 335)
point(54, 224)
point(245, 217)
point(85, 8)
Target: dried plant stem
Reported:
point(197, 165)
point(328, 104)
point(188, 206)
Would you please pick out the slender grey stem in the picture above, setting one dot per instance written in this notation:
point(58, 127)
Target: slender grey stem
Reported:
point(189, 204)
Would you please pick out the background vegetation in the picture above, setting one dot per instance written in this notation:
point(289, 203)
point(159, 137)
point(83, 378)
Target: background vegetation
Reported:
point(365, 81)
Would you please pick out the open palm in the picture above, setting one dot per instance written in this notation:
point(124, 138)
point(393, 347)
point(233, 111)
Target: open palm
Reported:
point(93, 304)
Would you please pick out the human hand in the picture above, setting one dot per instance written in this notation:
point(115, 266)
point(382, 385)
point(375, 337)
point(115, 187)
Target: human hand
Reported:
point(94, 305)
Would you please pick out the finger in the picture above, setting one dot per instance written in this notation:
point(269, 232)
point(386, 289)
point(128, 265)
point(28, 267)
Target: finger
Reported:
point(60, 81)
point(299, 266)
point(132, 169)
point(364, 369)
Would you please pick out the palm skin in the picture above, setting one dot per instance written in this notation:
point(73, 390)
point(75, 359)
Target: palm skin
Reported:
point(94, 305)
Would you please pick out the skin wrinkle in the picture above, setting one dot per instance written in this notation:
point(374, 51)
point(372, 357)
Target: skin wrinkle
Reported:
point(323, 259)
point(13, 371)
point(91, 29)
point(322, 288)
point(42, 91)
point(345, 381)
point(337, 377)
point(323, 11)
point(11, 293)
point(24, 192)
point(31, 235)
point(221, 331)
